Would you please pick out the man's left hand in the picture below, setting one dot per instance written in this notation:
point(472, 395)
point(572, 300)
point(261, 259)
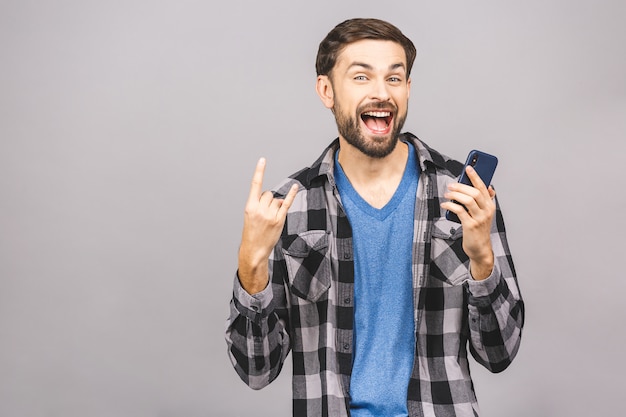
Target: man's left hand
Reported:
point(476, 219)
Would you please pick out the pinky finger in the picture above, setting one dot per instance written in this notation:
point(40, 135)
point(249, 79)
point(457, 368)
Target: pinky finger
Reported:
point(288, 200)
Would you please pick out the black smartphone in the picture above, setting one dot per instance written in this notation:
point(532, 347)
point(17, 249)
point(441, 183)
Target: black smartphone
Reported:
point(485, 166)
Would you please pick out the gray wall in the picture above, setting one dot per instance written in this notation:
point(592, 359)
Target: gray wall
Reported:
point(128, 135)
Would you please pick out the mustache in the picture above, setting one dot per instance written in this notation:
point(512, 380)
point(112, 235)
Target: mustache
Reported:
point(379, 105)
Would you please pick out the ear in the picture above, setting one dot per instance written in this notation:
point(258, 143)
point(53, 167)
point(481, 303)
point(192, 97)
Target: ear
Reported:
point(324, 89)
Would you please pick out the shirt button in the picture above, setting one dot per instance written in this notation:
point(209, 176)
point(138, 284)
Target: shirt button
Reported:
point(452, 230)
point(346, 255)
point(346, 346)
point(346, 300)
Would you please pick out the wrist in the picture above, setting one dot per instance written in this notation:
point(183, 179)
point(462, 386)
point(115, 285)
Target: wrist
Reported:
point(481, 268)
point(253, 274)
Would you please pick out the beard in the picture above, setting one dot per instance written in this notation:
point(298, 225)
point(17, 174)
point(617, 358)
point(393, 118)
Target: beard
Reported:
point(376, 147)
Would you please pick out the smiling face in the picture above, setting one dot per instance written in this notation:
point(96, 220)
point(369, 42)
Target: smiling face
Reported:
point(368, 91)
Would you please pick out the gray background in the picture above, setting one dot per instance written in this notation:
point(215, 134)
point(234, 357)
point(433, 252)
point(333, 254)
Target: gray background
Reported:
point(129, 131)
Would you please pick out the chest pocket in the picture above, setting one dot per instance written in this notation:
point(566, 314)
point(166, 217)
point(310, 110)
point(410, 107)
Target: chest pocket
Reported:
point(308, 264)
point(449, 263)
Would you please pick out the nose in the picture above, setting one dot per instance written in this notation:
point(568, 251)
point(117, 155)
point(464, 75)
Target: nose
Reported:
point(380, 90)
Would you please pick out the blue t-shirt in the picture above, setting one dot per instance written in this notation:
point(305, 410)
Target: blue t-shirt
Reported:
point(384, 333)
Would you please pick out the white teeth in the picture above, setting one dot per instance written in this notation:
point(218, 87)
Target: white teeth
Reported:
point(377, 113)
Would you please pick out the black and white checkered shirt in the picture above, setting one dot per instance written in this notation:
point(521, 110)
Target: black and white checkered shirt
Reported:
point(308, 307)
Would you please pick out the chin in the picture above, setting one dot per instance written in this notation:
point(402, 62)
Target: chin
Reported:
point(376, 146)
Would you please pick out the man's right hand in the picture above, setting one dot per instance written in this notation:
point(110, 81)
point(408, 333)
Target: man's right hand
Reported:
point(263, 222)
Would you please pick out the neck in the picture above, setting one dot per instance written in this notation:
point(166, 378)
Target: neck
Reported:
point(375, 179)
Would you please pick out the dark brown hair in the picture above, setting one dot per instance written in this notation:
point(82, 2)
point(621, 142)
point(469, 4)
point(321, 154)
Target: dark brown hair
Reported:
point(354, 30)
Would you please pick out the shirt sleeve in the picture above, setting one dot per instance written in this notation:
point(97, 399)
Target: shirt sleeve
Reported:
point(256, 334)
point(496, 308)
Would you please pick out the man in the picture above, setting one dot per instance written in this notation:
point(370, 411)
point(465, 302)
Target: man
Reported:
point(352, 265)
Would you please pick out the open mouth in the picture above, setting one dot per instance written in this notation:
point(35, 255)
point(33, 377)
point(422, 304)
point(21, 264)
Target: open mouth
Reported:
point(377, 122)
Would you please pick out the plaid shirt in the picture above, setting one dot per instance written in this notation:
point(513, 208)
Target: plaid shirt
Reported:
point(308, 306)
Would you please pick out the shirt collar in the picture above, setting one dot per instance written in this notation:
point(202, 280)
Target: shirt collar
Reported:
point(427, 157)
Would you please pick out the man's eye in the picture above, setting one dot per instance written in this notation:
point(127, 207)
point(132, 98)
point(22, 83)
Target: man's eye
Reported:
point(360, 78)
point(395, 79)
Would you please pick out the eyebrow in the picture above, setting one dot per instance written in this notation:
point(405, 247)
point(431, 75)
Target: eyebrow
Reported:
point(370, 68)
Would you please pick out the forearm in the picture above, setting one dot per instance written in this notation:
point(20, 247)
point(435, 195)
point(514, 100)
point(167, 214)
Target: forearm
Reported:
point(256, 335)
point(496, 318)
point(481, 268)
point(253, 271)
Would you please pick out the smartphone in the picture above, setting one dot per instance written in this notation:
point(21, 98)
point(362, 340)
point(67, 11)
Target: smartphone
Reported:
point(485, 166)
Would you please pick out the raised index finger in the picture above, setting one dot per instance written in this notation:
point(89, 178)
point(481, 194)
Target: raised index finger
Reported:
point(256, 188)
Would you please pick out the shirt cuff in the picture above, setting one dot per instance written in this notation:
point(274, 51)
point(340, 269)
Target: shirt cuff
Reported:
point(487, 286)
point(251, 306)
